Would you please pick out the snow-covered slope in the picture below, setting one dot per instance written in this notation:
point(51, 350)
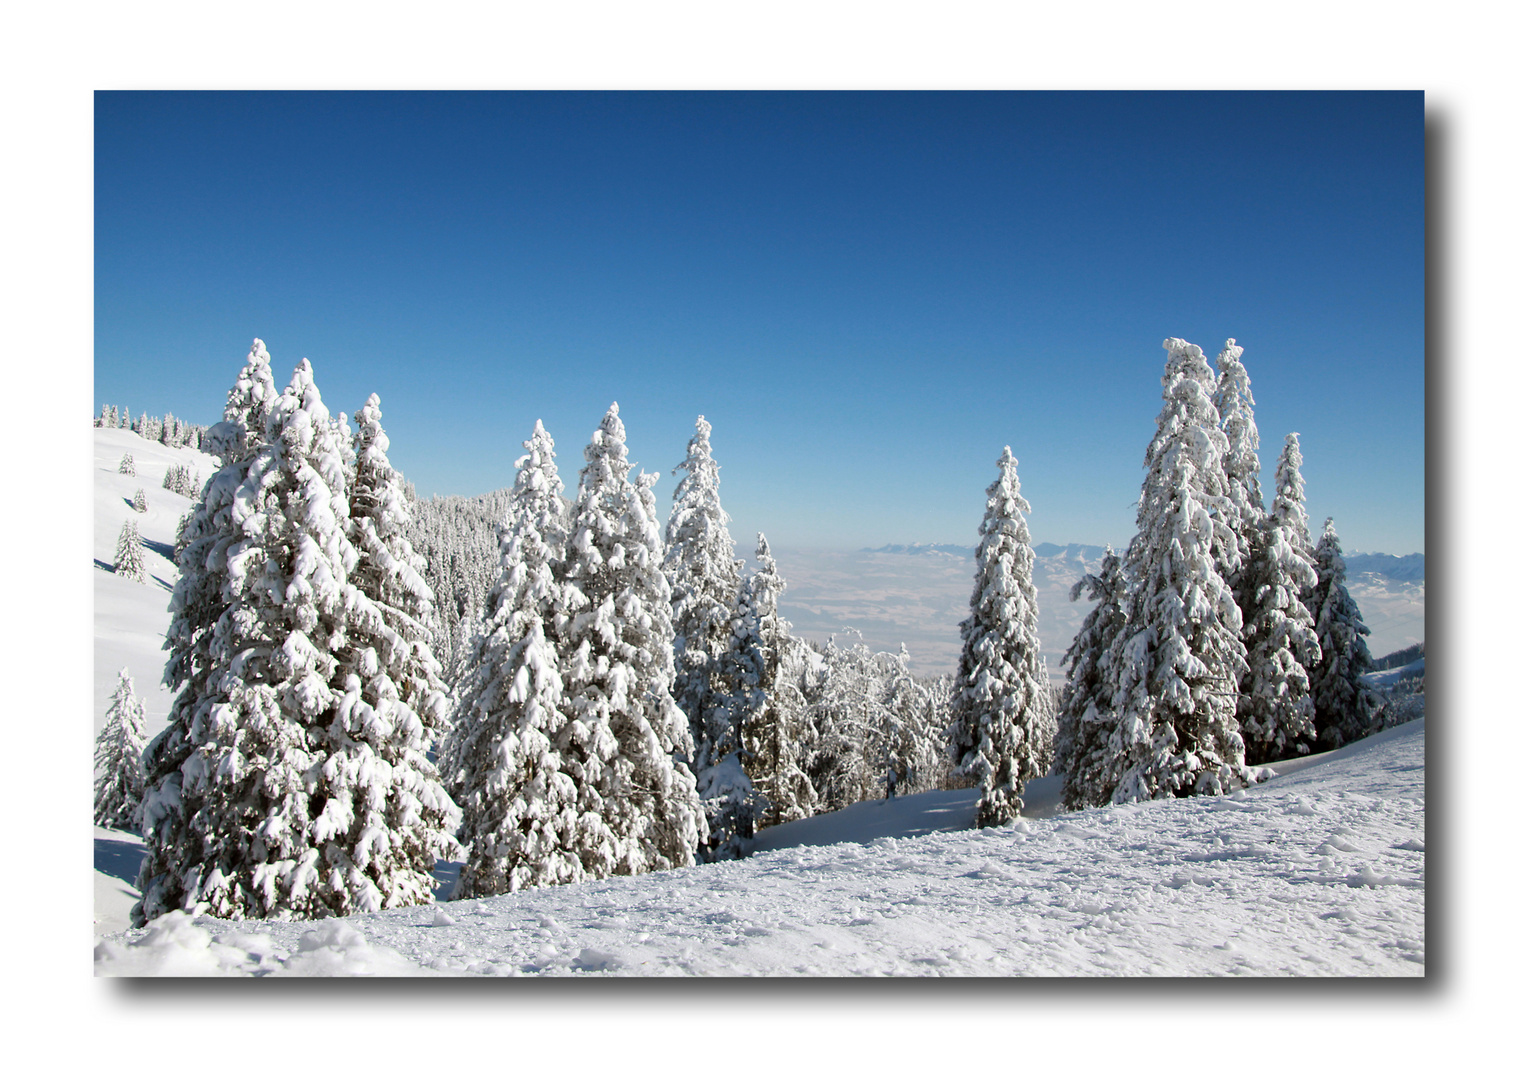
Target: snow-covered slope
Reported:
point(1318, 872)
point(131, 617)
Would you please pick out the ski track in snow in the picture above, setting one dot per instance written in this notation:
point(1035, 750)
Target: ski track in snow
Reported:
point(1318, 872)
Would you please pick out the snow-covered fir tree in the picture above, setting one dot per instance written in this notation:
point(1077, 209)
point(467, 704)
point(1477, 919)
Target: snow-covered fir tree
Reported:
point(140, 501)
point(1275, 700)
point(204, 639)
point(1178, 660)
point(777, 733)
point(119, 760)
point(127, 467)
point(129, 562)
point(524, 821)
point(717, 660)
point(458, 538)
point(844, 695)
point(346, 440)
point(291, 780)
point(869, 722)
point(181, 525)
point(628, 740)
point(1087, 757)
point(914, 734)
point(252, 835)
point(1002, 713)
point(181, 480)
point(1345, 709)
point(386, 817)
point(1235, 409)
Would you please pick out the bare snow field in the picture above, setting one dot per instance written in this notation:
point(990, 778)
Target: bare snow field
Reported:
point(921, 600)
point(131, 617)
point(1317, 872)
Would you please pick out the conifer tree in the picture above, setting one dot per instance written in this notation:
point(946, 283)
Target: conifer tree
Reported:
point(629, 739)
point(523, 823)
point(127, 467)
point(847, 765)
point(1235, 409)
point(291, 781)
point(244, 830)
point(1091, 765)
point(915, 743)
point(1345, 709)
point(129, 562)
point(1178, 660)
point(181, 525)
point(1002, 712)
point(203, 643)
point(346, 440)
point(716, 660)
point(1275, 700)
point(140, 501)
point(119, 760)
point(776, 733)
point(386, 817)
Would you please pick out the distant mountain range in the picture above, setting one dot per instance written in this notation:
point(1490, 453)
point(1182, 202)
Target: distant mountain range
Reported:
point(961, 550)
point(1400, 568)
point(1405, 568)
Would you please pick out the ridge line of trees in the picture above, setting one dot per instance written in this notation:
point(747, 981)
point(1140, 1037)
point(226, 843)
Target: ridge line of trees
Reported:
point(168, 430)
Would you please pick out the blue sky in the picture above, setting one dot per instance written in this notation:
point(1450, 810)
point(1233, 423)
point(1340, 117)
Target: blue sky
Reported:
point(867, 294)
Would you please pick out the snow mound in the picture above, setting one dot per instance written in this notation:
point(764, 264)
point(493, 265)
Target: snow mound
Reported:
point(178, 944)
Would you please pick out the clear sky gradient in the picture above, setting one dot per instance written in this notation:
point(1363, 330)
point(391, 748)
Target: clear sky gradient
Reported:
point(867, 294)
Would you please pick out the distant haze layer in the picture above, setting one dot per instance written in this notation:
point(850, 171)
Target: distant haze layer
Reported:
point(918, 595)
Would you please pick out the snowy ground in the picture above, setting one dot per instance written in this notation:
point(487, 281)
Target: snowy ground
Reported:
point(131, 617)
point(1318, 872)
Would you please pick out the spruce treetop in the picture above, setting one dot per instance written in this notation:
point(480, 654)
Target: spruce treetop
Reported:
point(1235, 406)
point(1289, 506)
point(246, 410)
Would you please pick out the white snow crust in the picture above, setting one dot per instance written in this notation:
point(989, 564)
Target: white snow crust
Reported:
point(1317, 872)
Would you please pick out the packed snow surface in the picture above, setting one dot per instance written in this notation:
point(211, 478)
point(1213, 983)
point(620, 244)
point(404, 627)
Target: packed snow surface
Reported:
point(1317, 872)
